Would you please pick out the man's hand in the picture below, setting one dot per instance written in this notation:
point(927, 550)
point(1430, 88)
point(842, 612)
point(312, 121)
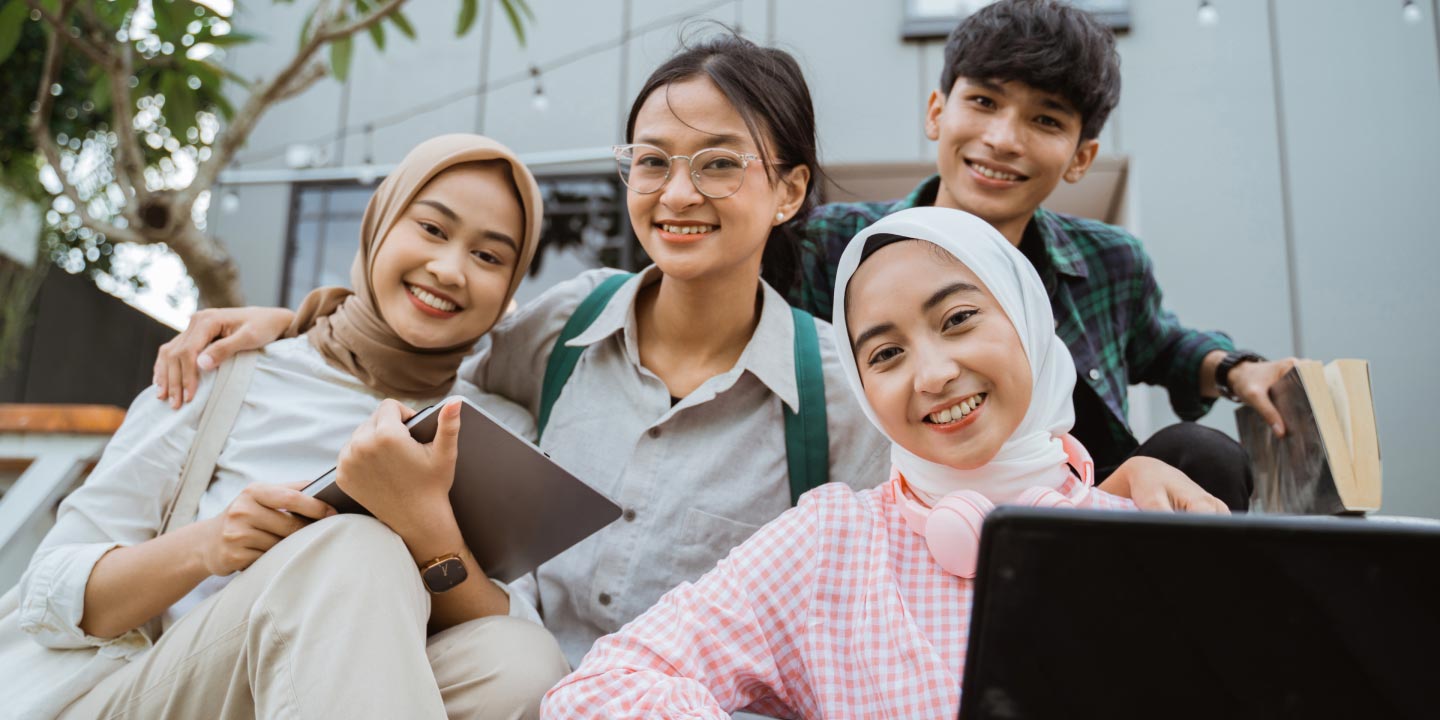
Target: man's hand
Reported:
point(405, 484)
point(179, 362)
point(1251, 381)
point(1157, 486)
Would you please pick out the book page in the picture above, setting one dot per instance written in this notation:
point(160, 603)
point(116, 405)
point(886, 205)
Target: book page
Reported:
point(1359, 419)
point(1337, 450)
point(1341, 397)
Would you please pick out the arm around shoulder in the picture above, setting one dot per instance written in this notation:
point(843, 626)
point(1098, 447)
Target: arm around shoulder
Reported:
point(512, 364)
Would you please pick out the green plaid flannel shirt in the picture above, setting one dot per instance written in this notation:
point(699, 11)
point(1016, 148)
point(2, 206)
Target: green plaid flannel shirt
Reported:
point(1102, 290)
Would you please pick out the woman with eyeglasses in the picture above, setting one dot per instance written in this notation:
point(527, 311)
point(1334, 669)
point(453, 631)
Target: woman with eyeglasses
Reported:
point(690, 393)
point(676, 407)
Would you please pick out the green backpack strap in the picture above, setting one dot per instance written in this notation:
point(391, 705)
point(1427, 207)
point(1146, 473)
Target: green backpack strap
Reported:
point(563, 358)
point(807, 441)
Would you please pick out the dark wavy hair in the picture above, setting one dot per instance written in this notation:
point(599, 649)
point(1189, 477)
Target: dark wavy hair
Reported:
point(1046, 44)
point(768, 89)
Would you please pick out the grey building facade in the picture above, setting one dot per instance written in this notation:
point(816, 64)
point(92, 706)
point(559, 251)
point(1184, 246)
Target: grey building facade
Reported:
point(1282, 164)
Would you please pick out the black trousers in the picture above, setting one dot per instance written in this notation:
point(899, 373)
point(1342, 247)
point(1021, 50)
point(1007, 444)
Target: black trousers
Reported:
point(1211, 458)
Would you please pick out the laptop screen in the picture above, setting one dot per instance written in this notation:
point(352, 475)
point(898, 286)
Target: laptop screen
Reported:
point(1089, 614)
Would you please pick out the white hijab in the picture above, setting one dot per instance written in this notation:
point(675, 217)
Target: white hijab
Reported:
point(1034, 456)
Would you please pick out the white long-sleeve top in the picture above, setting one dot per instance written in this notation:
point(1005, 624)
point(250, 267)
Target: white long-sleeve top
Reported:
point(297, 414)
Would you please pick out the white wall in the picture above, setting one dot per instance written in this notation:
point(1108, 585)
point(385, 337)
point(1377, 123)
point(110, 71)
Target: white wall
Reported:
point(1201, 117)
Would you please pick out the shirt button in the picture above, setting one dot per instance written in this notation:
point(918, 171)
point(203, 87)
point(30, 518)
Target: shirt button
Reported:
point(1094, 374)
point(629, 515)
point(604, 598)
point(654, 432)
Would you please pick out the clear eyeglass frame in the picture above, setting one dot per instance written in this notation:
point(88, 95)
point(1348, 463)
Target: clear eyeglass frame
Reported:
point(715, 185)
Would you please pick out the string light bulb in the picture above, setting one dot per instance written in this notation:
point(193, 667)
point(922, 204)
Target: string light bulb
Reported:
point(368, 172)
point(538, 101)
point(1411, 12)
point(1207, 14)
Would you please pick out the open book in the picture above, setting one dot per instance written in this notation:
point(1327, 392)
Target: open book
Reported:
point(1329, 460)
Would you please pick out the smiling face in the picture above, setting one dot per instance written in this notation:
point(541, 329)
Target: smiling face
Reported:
point(444, 268)
point(940, 361)
point(1003, 147)
point(691, 236)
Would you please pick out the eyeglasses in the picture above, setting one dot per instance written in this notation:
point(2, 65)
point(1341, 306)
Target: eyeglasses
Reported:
point(716, 172)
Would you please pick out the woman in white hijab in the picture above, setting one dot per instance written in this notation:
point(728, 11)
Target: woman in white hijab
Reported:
point(847, 605)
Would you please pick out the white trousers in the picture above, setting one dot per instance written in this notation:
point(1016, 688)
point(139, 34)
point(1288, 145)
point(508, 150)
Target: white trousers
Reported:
point(331, 623)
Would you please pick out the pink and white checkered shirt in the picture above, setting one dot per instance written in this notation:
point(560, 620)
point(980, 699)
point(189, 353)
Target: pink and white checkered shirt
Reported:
point(835, 610)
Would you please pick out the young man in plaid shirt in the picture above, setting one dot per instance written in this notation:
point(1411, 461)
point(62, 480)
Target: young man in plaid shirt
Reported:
point(1025, 90)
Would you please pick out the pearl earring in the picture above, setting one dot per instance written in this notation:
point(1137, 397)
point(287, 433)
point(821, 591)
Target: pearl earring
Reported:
point(779, 216)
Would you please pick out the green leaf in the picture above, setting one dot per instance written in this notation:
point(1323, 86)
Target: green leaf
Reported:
point(340, 53)
point(179, 103)
point(208, 74)
point(377, 35)
point(403, 23)
point(223, 105)
point(516, 23)
point(114, 13)
point(231, 75)
point(305, 27)
point(226, 40)
point(12, 19)
point(165, 21)
point(468, 9)
point(100, 95)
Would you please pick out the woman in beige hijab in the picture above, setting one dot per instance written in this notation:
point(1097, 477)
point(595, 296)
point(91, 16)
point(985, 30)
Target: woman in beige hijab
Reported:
point(252, 608)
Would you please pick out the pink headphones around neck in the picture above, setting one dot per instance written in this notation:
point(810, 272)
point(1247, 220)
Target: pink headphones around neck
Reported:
point(952, 527)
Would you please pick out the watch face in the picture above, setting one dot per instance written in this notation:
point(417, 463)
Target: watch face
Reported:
point(444, 575)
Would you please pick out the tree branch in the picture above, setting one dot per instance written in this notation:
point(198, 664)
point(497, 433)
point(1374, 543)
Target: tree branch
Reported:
point(129, 158)
point(98, 54)
point(302, 82)
point(294, 77)
point(40, 130)
point(360, 24)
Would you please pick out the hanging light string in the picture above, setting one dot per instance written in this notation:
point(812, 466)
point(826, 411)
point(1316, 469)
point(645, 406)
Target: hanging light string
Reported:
point(539, 101)
point(532, 73)
point(368, 171)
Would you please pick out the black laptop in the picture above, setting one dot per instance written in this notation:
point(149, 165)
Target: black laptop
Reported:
point(1131, 615)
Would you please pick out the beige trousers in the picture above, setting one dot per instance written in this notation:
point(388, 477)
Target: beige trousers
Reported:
point(331, 623)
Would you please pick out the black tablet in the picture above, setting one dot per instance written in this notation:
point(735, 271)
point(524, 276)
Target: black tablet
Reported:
point(1111, 614)
point(515, 506)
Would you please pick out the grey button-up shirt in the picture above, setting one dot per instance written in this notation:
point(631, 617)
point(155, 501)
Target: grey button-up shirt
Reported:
point(695, 480)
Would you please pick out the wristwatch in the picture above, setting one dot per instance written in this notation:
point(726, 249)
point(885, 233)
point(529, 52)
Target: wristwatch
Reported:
point(443, 573)
point(1222, 371)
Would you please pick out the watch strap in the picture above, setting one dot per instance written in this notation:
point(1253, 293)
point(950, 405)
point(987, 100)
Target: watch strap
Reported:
point(1228, 363)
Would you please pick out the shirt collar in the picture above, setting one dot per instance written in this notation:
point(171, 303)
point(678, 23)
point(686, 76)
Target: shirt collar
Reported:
point(1059, 246)
point(619, 313)
point(923, 195)
point(769, 356)
point(1064, 254)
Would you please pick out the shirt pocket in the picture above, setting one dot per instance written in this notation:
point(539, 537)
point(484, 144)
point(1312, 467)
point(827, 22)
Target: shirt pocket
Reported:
point(705, 538)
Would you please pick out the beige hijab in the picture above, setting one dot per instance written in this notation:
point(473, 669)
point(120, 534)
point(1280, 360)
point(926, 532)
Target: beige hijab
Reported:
point(346, 326)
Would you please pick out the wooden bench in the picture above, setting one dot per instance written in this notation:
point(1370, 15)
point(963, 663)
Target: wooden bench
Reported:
point(45, 452)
